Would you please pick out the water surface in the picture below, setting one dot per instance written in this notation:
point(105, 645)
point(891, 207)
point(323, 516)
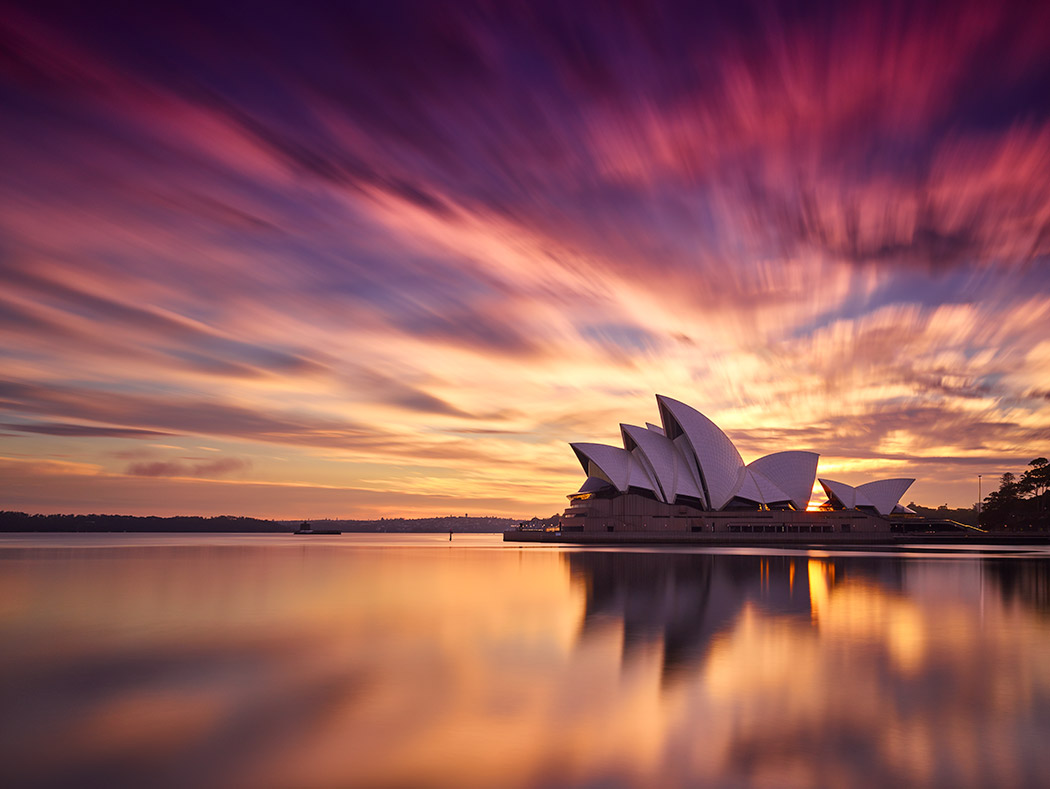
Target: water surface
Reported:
point(364, 660)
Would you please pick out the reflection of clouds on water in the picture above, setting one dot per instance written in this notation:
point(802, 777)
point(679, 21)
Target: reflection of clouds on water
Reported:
point(169, 667)
point(282, 664)
point(291, 663)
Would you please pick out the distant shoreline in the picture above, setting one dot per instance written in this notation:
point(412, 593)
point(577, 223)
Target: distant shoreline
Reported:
point(15, 522)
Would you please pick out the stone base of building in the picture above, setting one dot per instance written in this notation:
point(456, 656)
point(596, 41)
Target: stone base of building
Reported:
point(779, 539)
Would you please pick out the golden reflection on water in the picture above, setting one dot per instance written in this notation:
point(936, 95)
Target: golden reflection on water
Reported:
point(273, 662)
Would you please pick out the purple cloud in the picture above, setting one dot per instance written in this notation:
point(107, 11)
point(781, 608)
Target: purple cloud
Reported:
point(81, 431)
point(249, 225)
point(214, 468)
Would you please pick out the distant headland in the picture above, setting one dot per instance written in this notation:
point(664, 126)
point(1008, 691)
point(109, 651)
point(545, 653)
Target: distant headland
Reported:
point(23, 522)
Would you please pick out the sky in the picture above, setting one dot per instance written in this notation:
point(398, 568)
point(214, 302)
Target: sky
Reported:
point(387, 259)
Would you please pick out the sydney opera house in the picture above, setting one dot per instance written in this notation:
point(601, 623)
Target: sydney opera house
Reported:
point(684, 477)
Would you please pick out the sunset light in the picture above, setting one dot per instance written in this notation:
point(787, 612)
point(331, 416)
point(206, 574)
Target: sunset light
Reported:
point(360, 262)
point(524, 394)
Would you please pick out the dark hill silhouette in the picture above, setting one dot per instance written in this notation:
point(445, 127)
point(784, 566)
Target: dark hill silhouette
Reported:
point(22, 522)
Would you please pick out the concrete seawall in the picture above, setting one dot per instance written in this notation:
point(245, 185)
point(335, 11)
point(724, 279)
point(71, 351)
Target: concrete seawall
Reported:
point(782, 540)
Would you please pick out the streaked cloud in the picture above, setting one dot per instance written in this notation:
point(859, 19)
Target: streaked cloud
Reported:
point(212, 468)
point(86, 431)
point(422, 247)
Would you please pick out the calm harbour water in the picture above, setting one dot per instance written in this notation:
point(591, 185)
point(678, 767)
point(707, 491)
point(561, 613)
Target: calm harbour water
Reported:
point(352, 660)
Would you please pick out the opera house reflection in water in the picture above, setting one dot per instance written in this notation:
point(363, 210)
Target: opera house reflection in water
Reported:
point(686, 602)
point(345, 662)
point(840, 671)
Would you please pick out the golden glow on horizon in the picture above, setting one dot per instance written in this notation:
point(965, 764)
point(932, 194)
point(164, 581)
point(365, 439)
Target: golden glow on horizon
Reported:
point(438, 325)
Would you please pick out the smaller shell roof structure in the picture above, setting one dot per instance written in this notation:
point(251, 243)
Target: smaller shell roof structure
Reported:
point(883, 495)
point(690, 458)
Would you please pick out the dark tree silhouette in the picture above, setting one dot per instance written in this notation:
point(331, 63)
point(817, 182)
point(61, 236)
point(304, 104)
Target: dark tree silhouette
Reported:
point(1020, 503)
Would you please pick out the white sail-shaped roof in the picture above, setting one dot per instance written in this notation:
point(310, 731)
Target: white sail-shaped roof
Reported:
point(748, 490)
point(686, 483)
point(657, 452)
point(755, 487)
point(690, 457)
point(844, 494)
point(614, 464)
point(720, 464)
point(771, 492)
point(662, 459)
point(638, 476)
point(884, 494)
point(609, 462)
point(592, 484)
point(793, 472)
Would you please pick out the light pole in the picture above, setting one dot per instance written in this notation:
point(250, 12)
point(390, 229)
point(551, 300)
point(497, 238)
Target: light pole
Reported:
point(978, 499)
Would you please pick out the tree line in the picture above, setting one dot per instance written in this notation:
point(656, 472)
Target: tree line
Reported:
point(23, 522)
point(1021, 503)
